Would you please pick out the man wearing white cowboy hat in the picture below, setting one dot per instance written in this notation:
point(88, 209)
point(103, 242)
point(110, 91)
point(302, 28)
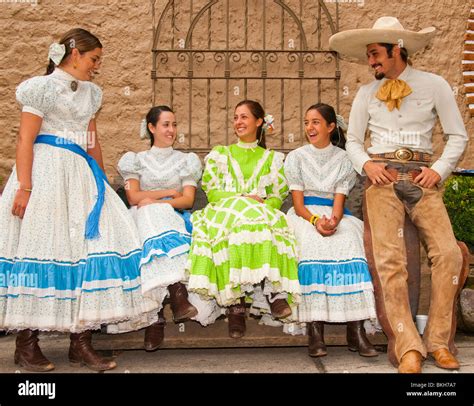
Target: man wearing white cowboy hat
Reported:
point(399, 109)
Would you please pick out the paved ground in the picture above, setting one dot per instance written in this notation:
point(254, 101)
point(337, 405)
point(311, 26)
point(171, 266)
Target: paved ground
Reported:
point(232, 360)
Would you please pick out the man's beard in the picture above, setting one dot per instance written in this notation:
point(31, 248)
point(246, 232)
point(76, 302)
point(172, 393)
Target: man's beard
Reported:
point(379, 75)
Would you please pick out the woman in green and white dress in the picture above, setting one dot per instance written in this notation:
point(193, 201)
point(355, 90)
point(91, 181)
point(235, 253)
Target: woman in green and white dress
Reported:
point(241, 243)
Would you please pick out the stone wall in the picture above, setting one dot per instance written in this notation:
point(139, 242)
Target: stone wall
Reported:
point(125, 29)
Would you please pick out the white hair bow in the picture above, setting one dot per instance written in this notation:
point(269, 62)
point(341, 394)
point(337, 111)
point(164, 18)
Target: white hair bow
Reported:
point(57, 52)
point(341, 123)
point(143, 130)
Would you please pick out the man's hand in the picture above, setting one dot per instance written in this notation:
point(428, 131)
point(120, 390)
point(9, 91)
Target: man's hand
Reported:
point(377, 173)
point(428, 178)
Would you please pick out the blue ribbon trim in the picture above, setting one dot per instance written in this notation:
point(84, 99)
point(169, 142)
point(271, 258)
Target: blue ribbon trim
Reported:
point(163, 244)
point(92, 224)
point(320, 201)
point(334, 273)
point(65, 275)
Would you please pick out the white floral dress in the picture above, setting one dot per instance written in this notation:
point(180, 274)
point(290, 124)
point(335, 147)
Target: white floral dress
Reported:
point(164, 237)
point(335, 281)
point(51, 276)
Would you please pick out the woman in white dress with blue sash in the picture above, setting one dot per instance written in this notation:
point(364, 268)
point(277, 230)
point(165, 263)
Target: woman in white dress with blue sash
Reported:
point(69, 249)
point(335, 281)
point(160, 184)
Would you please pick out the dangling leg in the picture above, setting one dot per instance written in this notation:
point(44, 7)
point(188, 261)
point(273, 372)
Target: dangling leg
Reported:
point(358, 341)
point(155, 333)
point(316, 345)
point(180, 305)
point(279, 307)
point(236, 319)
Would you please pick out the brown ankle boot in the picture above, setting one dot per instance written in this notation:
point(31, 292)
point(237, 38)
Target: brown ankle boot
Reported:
point(180, 305)
point(28, 353)
point(82, 353)
point(280, 308)
point(358, 341)
point(316, 346)
point(155, 333)
point(236, 319)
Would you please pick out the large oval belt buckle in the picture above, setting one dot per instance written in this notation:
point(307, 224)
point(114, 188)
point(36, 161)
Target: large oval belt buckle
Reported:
point(404, 154)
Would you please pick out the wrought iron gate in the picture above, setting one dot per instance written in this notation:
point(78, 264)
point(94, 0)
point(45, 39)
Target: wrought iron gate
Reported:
point(209, 55)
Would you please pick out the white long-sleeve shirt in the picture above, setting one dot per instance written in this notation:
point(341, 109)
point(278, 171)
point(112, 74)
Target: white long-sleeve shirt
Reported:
point(411, 126)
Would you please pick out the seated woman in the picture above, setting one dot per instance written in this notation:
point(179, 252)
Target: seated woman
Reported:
point(240, 239)
point(335, 281)
point(160, 183)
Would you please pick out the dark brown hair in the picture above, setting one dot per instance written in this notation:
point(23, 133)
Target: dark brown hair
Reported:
point(403, 51)
point(258, 112)
point(78, 38)
point(152, 117)
point(337, 136)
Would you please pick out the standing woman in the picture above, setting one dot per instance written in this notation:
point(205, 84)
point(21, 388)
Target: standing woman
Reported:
point(69, 250)
point(160, 183)
point(240, 239)
point(334, 276)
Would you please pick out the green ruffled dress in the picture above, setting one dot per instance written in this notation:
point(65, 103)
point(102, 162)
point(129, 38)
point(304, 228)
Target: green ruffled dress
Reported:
point(237, 242)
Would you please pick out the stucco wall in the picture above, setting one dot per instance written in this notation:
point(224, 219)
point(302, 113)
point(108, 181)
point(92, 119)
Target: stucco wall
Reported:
point(125, 29)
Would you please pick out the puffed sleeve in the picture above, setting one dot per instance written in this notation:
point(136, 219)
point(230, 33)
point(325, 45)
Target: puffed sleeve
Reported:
point(278, 190)
point(347, 176)
point(37, 95)
point(191, 171)
point(96, 99)
point(214, 170)
point(128, 166)
point(217, 182)
point(293, 172)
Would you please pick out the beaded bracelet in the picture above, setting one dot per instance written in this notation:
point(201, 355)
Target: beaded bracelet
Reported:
point(314, 218)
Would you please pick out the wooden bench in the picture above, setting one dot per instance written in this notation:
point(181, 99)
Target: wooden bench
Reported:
point(192, 335)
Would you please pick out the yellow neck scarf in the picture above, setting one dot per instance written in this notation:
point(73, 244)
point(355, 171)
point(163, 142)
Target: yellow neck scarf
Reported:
point(392, 92)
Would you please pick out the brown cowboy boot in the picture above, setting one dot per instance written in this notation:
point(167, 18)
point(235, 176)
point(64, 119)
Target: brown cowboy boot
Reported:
point(236, 319)
point(28, 353)
point(316, 346)
point(444, 359)
point(180, 305)
point(279, 308)
point(358, 341)
point(82, 353)
point(410, 363)
point(155, 333)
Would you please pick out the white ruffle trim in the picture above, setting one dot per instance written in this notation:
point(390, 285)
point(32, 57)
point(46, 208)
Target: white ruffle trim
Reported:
point(246, 278)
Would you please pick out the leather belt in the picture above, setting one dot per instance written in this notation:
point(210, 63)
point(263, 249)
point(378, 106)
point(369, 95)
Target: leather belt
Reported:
point(404, 155)
point(407, 176)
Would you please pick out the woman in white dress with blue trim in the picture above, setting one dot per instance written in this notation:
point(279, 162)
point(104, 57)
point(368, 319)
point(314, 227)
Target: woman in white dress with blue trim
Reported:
point(335, 281)
point(160, 184)
point(69, 249)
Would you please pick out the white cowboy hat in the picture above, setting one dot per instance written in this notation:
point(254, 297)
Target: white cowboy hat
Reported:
point(353, 43)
